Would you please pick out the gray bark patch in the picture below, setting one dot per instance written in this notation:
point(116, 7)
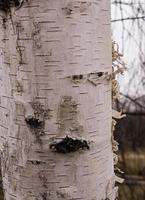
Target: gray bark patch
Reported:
point(76, 7)
point(68, 117)
point(36, 122)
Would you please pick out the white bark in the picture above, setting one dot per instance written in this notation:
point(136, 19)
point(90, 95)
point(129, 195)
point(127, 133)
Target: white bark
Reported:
point(43, 45)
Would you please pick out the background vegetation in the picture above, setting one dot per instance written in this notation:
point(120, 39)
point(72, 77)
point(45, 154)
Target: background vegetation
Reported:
point(128, 18)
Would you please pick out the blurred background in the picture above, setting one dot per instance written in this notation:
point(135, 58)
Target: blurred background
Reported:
point(128, 30)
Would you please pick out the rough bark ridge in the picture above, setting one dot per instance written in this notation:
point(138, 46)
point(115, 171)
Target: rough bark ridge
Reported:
point(53, 64)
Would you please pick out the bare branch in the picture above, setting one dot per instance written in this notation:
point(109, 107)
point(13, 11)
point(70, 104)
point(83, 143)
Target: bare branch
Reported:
point(128, 18)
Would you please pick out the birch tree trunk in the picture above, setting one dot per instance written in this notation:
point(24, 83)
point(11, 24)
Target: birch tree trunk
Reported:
point(55, 55)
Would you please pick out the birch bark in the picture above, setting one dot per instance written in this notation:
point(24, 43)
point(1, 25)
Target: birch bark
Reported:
point(53, 64)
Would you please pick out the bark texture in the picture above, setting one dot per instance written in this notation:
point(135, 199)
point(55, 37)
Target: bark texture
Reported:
point(54, 57)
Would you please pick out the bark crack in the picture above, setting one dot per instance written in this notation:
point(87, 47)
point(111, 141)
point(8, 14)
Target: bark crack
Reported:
point(68, 145)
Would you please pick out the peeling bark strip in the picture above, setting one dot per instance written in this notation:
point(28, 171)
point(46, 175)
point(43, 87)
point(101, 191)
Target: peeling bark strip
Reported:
point(118, 68)
point(55, 56)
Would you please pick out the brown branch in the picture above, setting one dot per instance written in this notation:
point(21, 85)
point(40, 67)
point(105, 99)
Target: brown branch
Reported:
point(134, 113)
point(133, 100)
point(128, 18)
point(134, 179)
point(123, 3)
